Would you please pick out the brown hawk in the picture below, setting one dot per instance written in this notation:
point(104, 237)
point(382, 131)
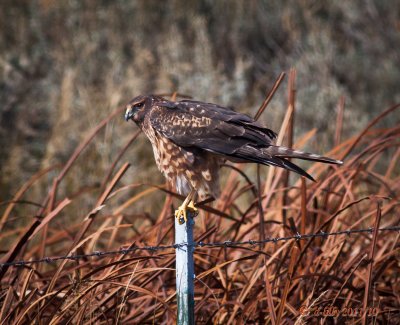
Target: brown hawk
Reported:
point(192, 139)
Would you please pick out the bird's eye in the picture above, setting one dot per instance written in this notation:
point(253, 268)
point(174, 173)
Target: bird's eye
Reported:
point(138, 105)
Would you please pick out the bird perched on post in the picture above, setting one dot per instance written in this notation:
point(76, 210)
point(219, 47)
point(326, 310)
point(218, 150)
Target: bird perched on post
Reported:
point(191, 140)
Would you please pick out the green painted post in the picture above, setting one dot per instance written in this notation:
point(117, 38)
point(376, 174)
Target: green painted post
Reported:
point(185, 271)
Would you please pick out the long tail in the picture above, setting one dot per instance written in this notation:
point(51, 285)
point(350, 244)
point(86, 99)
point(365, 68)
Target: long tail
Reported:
point(284, 152)
point(280, 155)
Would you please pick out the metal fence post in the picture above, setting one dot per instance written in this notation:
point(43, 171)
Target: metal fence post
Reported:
point(184, 271)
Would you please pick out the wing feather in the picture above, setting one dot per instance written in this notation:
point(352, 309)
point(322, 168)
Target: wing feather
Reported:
point(223, 131)
point(208, 126)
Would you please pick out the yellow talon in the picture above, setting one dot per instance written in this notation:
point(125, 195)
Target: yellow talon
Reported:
point(192, 208)
point(181, 212)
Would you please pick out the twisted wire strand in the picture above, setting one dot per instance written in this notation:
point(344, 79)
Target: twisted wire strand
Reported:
point(227, 243)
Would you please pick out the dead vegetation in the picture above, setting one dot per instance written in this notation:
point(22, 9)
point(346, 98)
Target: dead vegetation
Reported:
point(64, 65)
point(277, 283)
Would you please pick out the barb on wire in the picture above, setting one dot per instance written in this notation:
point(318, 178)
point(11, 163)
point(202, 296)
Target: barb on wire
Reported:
point(227, 243)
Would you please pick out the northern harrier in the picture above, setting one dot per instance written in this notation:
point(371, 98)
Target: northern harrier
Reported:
point(192, 139)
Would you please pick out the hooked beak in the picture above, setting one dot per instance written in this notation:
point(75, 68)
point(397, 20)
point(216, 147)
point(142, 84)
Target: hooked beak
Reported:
point(128, 114)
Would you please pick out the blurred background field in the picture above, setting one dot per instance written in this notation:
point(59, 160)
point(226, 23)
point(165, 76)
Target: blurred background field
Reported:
point(66, 66)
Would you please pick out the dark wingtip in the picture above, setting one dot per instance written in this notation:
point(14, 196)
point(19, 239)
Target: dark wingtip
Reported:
point(306, 175)
point(290, 166)
point(310, 178)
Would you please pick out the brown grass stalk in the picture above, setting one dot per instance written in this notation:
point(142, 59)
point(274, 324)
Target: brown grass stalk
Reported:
point(266, 283)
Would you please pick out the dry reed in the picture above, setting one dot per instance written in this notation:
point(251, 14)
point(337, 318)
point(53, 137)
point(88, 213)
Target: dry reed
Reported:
point(277, 283)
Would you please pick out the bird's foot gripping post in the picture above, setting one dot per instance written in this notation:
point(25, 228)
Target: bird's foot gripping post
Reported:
point(184, 210)
point(185, 269)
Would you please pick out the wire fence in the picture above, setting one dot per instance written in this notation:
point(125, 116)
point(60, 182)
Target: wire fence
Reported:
point(228, 244)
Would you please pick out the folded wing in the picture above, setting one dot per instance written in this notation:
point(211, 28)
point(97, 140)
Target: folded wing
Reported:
point(223, 131)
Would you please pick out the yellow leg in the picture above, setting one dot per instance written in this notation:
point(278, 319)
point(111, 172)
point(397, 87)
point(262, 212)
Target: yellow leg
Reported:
point(187, 205)
point(191, 207)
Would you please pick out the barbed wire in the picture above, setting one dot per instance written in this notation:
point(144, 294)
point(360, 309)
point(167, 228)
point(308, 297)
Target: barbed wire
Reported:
point(227, 243)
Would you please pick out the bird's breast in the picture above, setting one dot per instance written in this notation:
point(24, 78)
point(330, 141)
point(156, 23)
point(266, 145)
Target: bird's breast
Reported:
point(187, 169)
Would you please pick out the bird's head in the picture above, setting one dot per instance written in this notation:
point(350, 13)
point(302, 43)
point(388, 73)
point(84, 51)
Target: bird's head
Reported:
point(135, 110)
point(139, 106)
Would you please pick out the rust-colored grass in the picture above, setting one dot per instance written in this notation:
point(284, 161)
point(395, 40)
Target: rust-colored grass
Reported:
point(277, 283)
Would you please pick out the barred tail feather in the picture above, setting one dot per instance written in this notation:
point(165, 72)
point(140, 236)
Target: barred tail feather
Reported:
point(278, 156)
point(284, 152)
